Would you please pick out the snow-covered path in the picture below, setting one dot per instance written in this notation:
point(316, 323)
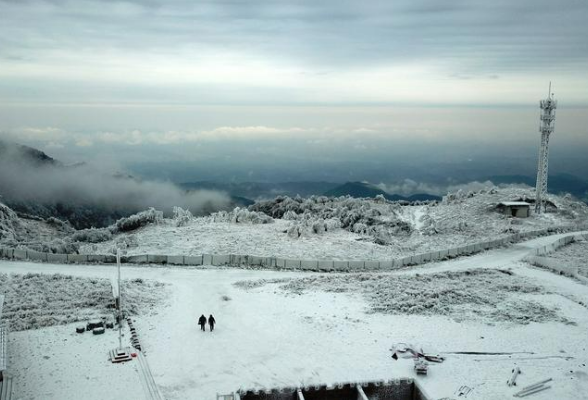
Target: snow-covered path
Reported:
point(267, 339)
point(489, 259)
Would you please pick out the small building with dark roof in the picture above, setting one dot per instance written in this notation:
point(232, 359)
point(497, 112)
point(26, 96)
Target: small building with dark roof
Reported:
point(518, 209)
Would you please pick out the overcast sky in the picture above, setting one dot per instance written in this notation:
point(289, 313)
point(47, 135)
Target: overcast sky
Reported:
point(183, 80)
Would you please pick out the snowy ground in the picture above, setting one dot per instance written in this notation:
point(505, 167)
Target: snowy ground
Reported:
point(268, 337)
point(461, 220)
point(57, 363)
point(490, 295)
point(573, 255)
point(201, 236)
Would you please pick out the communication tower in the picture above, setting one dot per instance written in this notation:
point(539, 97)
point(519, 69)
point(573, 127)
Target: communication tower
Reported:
point(547, 118)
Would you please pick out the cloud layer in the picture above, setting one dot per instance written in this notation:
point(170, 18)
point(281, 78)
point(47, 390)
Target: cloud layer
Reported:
point(247, 52)
point(89, 185)
point(327, 89)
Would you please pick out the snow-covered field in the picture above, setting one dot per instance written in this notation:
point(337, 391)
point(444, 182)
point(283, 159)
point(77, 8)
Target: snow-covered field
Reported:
point(574, 255)
point(36, 300)
point(490, 295)
point(324, 229)
point(294, 328)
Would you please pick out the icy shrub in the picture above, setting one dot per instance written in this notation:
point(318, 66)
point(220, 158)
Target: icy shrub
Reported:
point(220, 216)
point(182, 217)
point(125, 242)
point(8, 223)
point(461, 226)
point(480, 294)
point(428, 226)
point(300, 229)
point(92, 235)
point(277, 207)
point(293, 232)
point(39, 300)
point(59, 224)
point(382, 236)
point(319, 214)
point(242, 216)
point(245, 216)
point(290, 216)
point(568, 214)
point(332, 224)
point(150, 216)
point(359, 228)
point(319, 227)
point(56, 246)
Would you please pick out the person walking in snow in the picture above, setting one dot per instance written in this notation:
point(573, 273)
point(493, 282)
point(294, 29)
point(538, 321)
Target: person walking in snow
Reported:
point(202, 322)
point(211, 322)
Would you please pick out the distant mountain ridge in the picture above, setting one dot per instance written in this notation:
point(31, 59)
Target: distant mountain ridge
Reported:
point(363, 190)
point(556, 183)
point(24, 154)
point(263, 190)
point(266, 190)
point(35, 185)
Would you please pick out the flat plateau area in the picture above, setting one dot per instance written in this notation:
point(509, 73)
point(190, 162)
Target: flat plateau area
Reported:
point(279, 329)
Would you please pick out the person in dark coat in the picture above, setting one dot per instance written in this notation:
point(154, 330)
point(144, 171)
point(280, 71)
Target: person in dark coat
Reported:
point(202, 322)
point(211, 322)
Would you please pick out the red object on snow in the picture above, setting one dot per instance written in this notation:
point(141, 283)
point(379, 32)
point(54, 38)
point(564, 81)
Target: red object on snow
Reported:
point(133, 354)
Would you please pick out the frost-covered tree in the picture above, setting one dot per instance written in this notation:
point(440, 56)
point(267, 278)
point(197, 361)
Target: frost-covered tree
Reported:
point(182, 217)
point(150, 216)
point(242, 216)
point(92, 235)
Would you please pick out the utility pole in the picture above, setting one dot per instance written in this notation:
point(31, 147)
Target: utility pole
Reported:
point(119, 354)
point(119, 318)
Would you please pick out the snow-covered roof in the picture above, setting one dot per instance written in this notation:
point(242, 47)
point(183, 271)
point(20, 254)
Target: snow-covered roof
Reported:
point(514, 203)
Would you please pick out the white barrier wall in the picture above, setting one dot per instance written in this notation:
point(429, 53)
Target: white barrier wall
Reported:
point(550, 248)
point(156, 259)
point(372, 265)
point(137, 259)
point(36, 255)
point(5, 252)
point(57, 258)
point(77, 258)
point(193, 260)
point(311, 265)
point(18, 254)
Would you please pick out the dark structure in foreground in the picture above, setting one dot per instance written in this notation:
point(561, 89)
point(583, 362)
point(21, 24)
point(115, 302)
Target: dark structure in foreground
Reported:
point(5, 379)
point(400, 389)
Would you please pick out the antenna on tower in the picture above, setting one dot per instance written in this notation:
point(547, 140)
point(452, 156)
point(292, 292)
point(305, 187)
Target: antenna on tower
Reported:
point(547, 118)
